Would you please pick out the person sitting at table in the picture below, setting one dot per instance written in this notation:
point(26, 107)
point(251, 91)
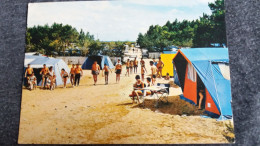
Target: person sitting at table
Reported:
point(149, 84)
point(137, 88)
point(167, 77)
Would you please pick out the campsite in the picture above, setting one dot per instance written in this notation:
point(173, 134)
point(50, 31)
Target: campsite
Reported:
point(105, 114)
point(152, 78)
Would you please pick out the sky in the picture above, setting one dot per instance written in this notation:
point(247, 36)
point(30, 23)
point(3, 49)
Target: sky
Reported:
point(119, 20)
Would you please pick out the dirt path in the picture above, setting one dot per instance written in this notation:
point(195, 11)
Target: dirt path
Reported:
point(104, 114)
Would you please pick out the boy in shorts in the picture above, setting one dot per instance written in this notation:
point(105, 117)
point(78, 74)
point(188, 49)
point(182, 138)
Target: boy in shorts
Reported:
point(106, 73)
point(127, 67)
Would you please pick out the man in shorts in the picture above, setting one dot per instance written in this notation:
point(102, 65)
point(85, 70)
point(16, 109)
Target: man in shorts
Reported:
point(95, 71)
point(78, 74)
point(72, 75)
point(44, 72)
point(135, 65)
point(28, 73)
point(118, 69)
point(127, 67)
point(153, 72)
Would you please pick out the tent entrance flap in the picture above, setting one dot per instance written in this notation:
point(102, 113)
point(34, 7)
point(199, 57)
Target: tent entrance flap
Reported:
point(180, 63)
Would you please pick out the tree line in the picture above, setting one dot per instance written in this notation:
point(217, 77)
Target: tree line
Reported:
point(202, 32)
point(61, 40)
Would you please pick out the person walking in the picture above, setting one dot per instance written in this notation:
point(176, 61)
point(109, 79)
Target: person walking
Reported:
point(95, 71)
point(64, 75)
point(106, 69)
point(118, 69)
point(135, 65)
point(127, 67)
point(78, 74)
point(72, 75)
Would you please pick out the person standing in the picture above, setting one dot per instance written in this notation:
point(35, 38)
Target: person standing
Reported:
point(131, 66)
point(95, 71)
point(78, 74)
point(52, 78)
point(135, 65)
point(44, 72)
point(127, 67)
point(142, 63)
point(118, 69)
point(160, 66)
point(64, 75)
point(72, 75)
point(28, 73)
point(154, 72)
point(106, 69)
point(142, 73)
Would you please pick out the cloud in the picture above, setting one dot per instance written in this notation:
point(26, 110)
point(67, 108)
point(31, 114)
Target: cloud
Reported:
point(115, 20)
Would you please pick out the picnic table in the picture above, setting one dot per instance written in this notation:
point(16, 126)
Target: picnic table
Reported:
point(159, 93)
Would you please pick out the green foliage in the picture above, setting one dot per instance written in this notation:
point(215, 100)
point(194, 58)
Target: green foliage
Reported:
point(199, 33)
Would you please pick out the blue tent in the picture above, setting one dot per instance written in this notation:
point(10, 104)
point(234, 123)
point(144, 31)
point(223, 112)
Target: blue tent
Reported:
point(210, 75)
point(37, 62)
point(101, 60)
point(169, 52)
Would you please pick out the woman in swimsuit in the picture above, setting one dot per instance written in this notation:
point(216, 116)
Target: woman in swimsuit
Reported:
point(64, 75)
point(137, 86)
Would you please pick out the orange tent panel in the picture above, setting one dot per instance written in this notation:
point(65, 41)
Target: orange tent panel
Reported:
point(190, 88)
point(210, 105)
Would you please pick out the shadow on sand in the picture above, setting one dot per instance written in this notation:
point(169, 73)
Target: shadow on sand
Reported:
point(175, 106)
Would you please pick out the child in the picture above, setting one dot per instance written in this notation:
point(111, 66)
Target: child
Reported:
point(72, 75)
point(148, 80)
point(106, 73)
point(64, 75)
point(167, 77)
point(32, 81)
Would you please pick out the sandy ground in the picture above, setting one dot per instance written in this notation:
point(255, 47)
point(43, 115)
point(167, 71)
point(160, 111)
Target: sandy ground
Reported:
point(104, 114)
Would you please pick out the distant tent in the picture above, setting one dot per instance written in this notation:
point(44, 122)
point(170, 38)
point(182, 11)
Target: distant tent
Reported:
point(206, 69)
point(37, 62)
point(101, 60)
point(168, 66)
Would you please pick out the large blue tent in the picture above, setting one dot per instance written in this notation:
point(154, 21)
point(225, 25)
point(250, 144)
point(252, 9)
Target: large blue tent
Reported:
point(101, 60)
point(37, 62)
point(208, 64)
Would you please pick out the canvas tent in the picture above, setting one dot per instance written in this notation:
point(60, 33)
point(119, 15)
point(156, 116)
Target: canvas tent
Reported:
point(101, 60)
point(37, 62)
point(206, 69)
point(168, 66)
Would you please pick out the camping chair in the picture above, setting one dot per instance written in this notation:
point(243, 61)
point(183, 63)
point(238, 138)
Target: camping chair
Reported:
point(163, 93)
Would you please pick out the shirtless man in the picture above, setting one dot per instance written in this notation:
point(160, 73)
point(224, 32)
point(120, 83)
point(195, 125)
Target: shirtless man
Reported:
point(72, 75)
point(118, 70)
point(78, 74)
point(153, 71)
point(28, 73)
point(135, 65)
point(127, 67)
point(44, 72)
point(106, 69)
point(160, 66)
point(142, 63)
point(95, 71)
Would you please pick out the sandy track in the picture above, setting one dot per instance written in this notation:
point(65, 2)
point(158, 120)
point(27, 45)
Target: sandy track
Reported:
point(104, 114)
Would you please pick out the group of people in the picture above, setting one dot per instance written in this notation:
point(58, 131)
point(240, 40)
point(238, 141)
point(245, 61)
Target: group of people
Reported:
point(49, 77)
